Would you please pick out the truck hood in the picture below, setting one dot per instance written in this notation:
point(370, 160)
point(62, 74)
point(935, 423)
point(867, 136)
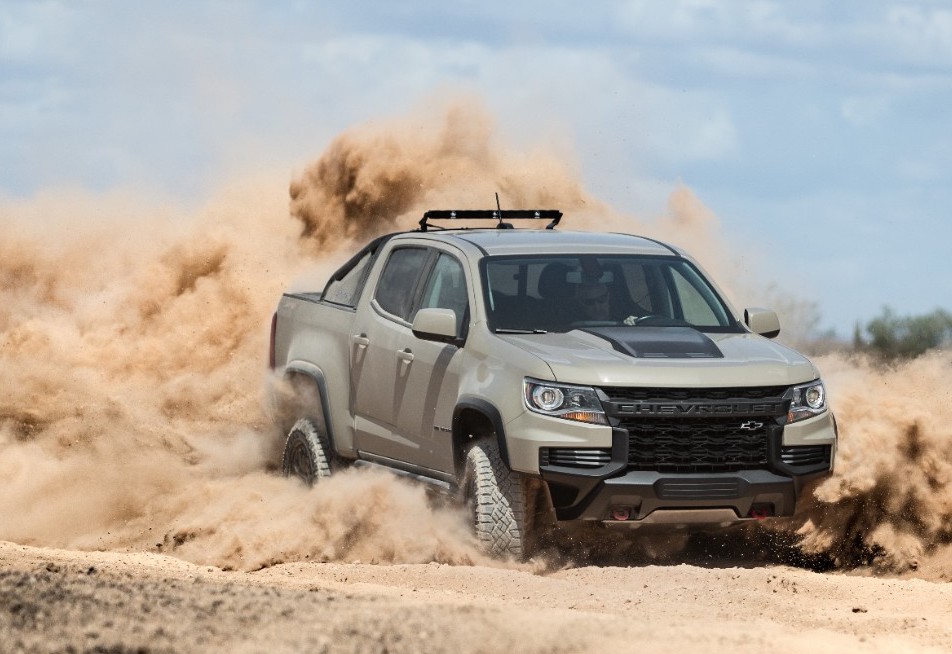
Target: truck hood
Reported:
point(665, 356)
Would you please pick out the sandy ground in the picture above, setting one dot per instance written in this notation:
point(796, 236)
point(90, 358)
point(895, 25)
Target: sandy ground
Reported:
point(59, 600)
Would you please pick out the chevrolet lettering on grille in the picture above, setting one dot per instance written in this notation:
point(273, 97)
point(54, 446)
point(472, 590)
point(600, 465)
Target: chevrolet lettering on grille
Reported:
point(684, 409)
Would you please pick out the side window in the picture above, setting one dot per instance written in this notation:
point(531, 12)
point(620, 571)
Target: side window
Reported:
point(446, 288)
point(346, 290)
point(698, 307)
point(399, 279)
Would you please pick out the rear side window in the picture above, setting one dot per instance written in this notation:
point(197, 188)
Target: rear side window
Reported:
point(347, 284)
point(346, 290)
point(399, 279)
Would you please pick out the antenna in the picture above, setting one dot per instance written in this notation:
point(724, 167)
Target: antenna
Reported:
point(498, 212)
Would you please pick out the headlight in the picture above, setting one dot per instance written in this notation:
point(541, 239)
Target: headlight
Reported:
point(808, 400)
point(578, 403)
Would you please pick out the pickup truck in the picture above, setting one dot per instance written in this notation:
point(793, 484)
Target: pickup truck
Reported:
point(546, 377)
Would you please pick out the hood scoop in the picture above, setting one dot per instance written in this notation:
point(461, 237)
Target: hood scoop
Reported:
point(659, 342)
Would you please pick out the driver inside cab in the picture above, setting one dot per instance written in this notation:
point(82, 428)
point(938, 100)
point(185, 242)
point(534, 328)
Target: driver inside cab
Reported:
point(594, 301)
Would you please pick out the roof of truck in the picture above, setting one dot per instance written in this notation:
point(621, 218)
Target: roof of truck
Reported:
point(501, 242)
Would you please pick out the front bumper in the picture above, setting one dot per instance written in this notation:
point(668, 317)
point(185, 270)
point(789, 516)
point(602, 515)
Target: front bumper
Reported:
point(615, 492)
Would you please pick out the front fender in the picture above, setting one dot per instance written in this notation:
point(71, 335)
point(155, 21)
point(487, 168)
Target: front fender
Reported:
point(491, 413)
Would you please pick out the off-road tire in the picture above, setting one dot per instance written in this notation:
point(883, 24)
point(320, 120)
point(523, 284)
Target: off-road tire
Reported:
point(307, 453)
point(499, 500)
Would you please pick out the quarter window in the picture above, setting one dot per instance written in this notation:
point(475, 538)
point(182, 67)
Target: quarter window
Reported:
point(346, 290)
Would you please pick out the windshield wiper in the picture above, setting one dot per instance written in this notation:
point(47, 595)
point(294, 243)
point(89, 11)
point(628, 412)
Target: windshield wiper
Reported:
point(504, 330)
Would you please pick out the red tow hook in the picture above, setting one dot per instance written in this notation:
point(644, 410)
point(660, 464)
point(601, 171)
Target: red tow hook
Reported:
point(621, 513)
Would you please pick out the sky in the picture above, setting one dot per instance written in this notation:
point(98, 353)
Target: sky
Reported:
point(819, 133)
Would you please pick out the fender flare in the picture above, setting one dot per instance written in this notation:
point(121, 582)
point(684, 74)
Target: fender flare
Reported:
point(317, 376)
point(492, 414)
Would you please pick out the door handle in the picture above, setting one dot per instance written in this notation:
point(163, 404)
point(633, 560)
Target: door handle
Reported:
point(405, 355)
point(360, 340)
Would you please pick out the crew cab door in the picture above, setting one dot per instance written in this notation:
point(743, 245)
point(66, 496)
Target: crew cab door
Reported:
point(425, 414)
point(398, 378)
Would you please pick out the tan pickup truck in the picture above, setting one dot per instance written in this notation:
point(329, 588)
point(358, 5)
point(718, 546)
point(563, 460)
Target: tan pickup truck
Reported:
point(545, 376)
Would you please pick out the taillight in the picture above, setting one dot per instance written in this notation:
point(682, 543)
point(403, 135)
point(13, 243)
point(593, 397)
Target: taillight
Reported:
point(274, 324)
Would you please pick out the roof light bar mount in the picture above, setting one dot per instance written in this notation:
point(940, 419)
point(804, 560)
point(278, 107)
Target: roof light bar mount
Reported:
point(499, 215)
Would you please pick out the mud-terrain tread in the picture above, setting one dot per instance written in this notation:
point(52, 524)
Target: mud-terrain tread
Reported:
point(499, 499)
point(305, 433)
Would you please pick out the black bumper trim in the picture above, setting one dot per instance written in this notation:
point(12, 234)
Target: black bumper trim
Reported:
point(645, 492)
point(592, 494)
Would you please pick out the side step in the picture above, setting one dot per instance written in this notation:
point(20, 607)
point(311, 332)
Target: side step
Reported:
point(431, 483)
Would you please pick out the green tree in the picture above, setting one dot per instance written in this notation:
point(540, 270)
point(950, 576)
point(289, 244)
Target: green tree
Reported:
point(893, 337)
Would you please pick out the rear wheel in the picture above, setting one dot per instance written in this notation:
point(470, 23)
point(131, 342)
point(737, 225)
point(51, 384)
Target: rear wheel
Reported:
point(499, 499)
point(307, 453)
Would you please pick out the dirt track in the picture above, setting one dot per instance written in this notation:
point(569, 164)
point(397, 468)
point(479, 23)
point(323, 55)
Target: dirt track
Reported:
point(57, 600)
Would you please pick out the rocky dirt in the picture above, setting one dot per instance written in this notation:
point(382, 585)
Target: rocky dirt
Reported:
point(71, 601)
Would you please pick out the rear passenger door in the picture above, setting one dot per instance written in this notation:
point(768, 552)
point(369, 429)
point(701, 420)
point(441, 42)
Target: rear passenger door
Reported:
point(379, 364)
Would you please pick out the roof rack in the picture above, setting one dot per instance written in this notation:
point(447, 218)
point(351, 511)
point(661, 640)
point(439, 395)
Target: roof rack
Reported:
point(500, 215)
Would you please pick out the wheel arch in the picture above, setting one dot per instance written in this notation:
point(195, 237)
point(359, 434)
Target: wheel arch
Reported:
point(313, 378)
point(475, 417)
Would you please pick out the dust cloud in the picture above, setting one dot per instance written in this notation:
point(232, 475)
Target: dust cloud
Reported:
point(133, 343)
point(383, 177)
point(889, 503)
point(133, 340)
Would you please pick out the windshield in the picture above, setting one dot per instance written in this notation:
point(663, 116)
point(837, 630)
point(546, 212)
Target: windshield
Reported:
point(560, 293)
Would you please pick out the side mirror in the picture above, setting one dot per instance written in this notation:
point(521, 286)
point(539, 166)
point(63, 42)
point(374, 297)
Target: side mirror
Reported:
point(435, 325)
point(762, 321)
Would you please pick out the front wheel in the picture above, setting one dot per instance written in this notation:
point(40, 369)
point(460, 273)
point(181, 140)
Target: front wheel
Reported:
point(499, 500)
point(307, 453)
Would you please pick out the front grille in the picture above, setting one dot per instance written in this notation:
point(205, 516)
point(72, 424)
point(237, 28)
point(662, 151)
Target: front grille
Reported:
point(805, 455)
point(634, 394)
point(582, 457)
point(685, 430)
point(696, 445)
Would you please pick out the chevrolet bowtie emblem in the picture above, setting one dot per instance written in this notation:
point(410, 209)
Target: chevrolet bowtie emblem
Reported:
point(750, 425)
